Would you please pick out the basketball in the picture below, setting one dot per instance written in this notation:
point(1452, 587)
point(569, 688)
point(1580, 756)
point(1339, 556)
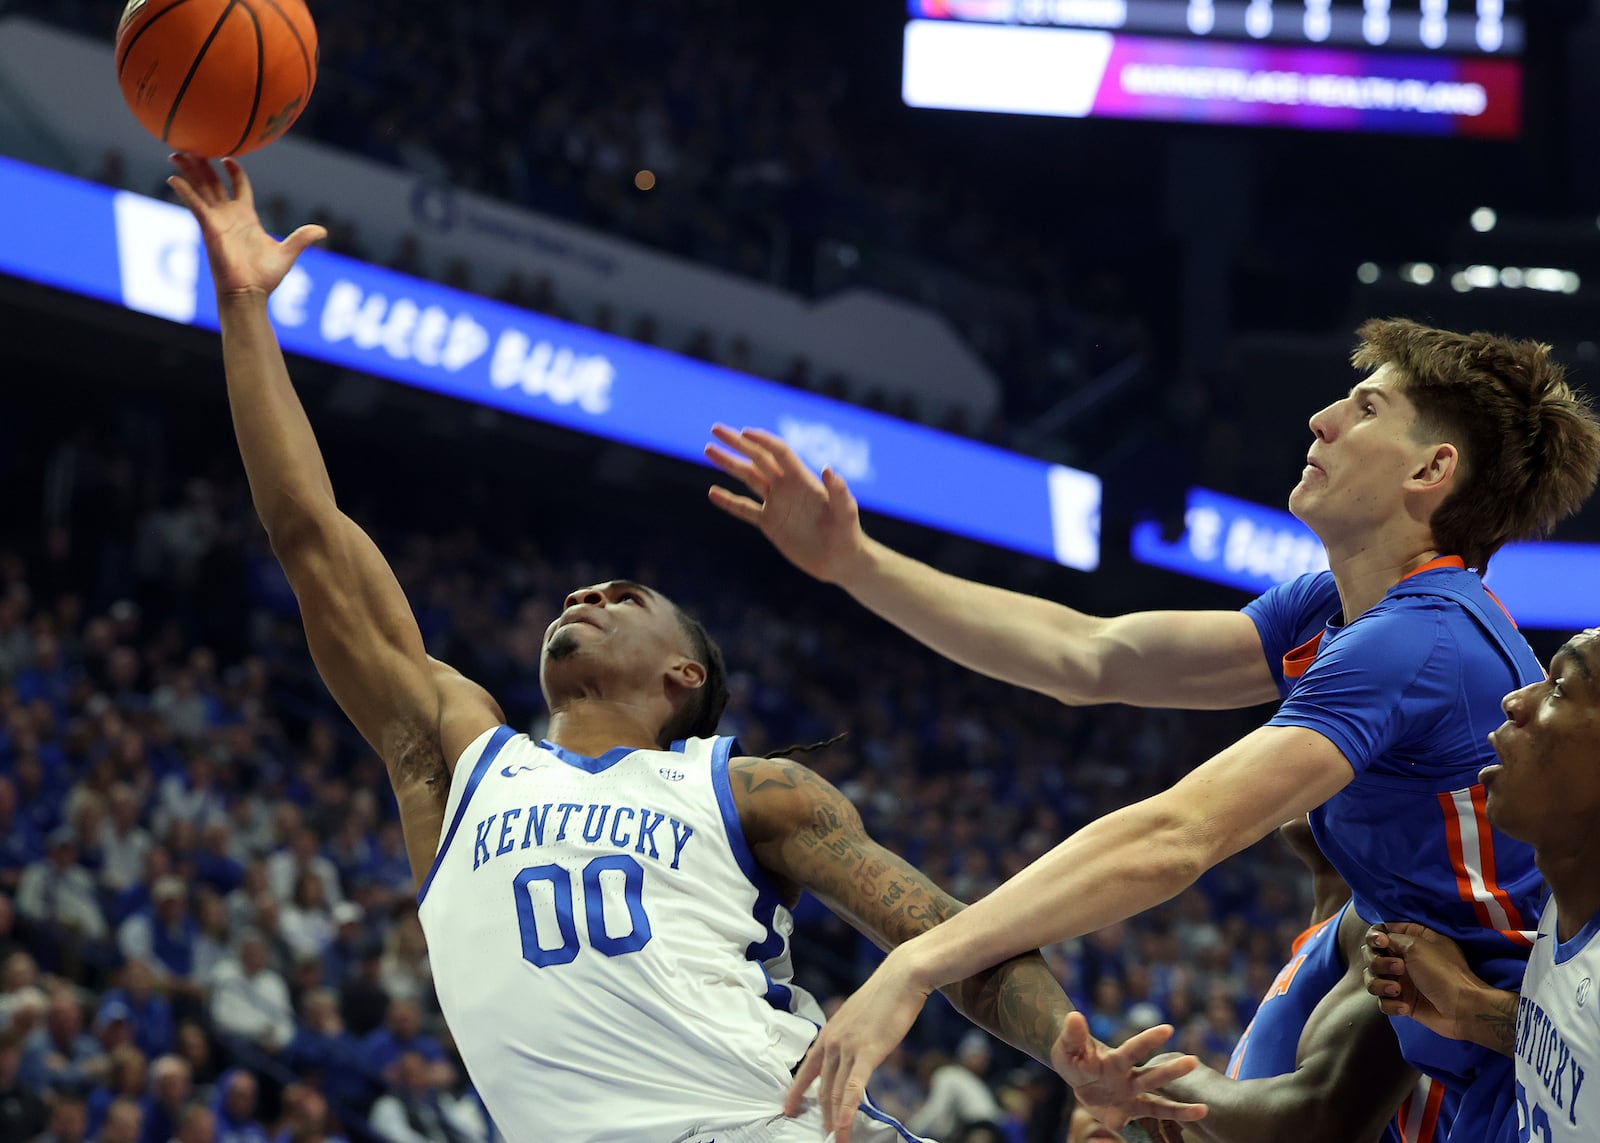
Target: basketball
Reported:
point(216, 77)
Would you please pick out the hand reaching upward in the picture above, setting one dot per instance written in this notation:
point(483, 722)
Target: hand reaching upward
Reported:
point(814, 523)
point(244, 258)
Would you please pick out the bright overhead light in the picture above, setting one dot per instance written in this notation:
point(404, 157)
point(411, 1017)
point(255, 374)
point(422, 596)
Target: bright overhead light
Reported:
point(1368, 273)
point(1570, 282)
point(1417, 273)
point(1511, 277)
point(1484, 219)
point(1459, 282)
point(1483, 277)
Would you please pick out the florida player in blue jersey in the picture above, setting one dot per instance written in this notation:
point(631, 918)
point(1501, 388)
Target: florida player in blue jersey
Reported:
point(1318, 1057)
point(1389, 669)
point(1545, 789)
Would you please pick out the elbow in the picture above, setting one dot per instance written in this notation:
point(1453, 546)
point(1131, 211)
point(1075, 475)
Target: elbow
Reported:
point(295, 531)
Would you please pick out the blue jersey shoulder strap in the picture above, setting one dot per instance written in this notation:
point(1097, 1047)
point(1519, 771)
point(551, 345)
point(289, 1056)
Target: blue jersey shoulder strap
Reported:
point(1475, 599)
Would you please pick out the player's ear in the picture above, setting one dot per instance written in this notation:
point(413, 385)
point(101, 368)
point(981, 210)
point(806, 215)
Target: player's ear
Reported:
point(1437, 468)
point(687, 673)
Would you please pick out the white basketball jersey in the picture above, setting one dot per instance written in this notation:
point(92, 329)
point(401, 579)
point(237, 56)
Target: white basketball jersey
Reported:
point(1558, 1037)
point(612, 962)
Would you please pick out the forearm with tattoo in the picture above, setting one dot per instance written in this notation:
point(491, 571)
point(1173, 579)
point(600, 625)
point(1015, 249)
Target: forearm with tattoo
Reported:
point(1493, 1023)
point(806, 832)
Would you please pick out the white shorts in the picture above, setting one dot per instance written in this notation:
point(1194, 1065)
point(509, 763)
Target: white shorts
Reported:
point(871, 1126)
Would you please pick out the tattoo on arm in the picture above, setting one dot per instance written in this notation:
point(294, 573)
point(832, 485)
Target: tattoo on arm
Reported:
point(1497, 1028)
point(806, 831)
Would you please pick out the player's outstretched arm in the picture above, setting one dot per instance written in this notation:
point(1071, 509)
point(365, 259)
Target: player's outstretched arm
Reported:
point(1120, 865)
point(1349, 1081)
point(416, 714)
point(1421, 974)
point(1193, 659)
point(806, 833)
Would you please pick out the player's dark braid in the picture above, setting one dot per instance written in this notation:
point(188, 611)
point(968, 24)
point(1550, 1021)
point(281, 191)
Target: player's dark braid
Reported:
point(808, 748)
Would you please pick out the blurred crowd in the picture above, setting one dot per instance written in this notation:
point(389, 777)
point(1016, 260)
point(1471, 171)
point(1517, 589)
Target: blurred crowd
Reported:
point(207, 928)
point(769, 161)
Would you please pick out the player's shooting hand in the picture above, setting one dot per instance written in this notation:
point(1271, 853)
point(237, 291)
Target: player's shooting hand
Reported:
point(244, 258)
point(814, 523)
point(852, 1044)
point(1110, 1083)
point(1416, 972)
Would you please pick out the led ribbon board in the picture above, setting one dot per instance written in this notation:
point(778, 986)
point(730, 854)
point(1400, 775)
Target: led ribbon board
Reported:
point(1234, 542)
point(145, 255)
point(1428, 69)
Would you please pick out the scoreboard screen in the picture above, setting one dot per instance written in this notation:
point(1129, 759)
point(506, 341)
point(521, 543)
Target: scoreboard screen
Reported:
point(1426, 67)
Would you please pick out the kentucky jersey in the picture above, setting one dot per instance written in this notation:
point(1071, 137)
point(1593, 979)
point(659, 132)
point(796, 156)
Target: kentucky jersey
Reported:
point(1409, 692)
point(612, 962)
point(1558, 1038)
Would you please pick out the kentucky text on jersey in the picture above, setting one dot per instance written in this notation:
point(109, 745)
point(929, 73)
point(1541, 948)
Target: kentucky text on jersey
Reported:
point(637, 830)
point(1541, 1046)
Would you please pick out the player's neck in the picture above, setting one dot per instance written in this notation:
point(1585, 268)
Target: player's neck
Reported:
point(1365, 573)
point(1569, 869)
point(591, 726)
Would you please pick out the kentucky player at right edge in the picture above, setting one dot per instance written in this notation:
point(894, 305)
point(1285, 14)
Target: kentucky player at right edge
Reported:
point(1389, 668)
point(1544, 789)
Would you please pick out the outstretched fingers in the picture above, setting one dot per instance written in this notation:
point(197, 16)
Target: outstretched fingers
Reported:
point(242, 191)
point(739, 507)
point(737, 467)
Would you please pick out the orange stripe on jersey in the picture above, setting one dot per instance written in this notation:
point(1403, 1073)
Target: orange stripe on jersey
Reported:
point(1480, 811)
point(1470, 841)
point(1298, 661)
point(1300, 941)
point(1436, 563)
point(1238, 1053)
point(1430, 1113)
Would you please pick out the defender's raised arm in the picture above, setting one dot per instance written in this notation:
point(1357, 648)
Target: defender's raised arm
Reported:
point(1201, 660)
point(417, 714)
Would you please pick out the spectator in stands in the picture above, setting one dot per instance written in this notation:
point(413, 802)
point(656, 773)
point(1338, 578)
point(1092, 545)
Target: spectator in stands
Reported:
point(191, 796)
point(306, 1118)
point(213, 937)
point(124, 1122)
point(198, 1125)
point(323, 1052)
point(958, 1093)
point(20, 843)
point(127, 1076)
point(194, 1045)
point(401, 1033)
point(60, 1056)
point(406, 975)
point(69, 1121)
point(164, 934)
point(171, 1085)
point(112, 1029)
point(299, 858)
point(363, 1003)
point(414, 1110)
point(343, 954)
point(306, 923)
point(58, 895)
point(149, 1010)
point(23, 1115)
point(249, 1000)
point(123, 842)
point(215, 865)
point(9, 943)
point(234, 1105)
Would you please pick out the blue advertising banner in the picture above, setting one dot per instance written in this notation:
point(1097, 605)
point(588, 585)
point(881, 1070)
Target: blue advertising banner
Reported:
point(146, 255)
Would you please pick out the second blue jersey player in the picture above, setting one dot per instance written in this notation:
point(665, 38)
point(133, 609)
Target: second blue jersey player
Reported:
point(1389, 670)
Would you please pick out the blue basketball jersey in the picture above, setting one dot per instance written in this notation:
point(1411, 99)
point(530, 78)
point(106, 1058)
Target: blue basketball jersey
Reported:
point(1270, 1045)
point(1409, 692)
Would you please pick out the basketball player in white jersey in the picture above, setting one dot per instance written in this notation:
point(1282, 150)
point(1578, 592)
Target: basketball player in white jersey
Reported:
point(1544, 790)
point(607, 911)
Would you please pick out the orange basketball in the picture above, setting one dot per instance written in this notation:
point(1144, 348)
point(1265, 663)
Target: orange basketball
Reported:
point(216, 77)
